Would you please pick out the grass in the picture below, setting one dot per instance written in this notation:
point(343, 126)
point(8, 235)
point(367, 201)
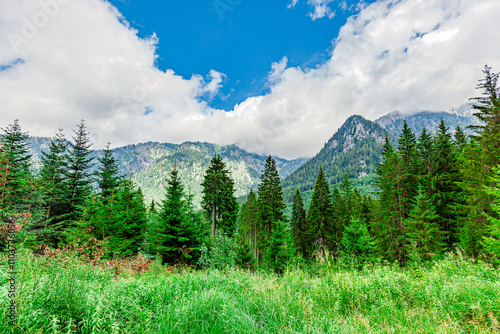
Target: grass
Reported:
point(454, 295)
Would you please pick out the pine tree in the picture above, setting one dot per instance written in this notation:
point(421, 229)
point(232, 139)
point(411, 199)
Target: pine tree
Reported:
point(407, 148)
point(320, 215)
point(445, 190)
point(425, 150)
point(281, 248)
point(79, 173)
point(16, 151)
point(270, 198)
point(388, 226)
point(108, 177)
point(356, 240)
point(176, 230)
point(249, 223)
point(460, 139)
point(491, 240)
point(5, 200)
point(219, 202)
point(423, 228)
point(477, 161)
point(52, 174)
point(299, 225)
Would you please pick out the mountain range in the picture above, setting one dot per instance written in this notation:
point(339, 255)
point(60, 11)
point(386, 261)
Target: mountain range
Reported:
point(353, 149)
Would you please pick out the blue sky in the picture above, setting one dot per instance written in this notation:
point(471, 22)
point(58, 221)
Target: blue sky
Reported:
point(241, 41)
point(273, 77)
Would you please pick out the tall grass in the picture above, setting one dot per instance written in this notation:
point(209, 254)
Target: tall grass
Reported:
point(65, 295)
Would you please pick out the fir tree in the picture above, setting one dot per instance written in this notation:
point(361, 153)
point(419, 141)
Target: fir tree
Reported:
point(52, 174)
point(175, 230)
point(299, 225)
point(320, 215)
point(270, 199)
point(219, 202)
point(477, 161)
point(16, 154)
point(249, 223)
point(423, 230)
point(460, 139)
point(107, 174)
point(445, 189)
point(388, 226)
point(356, 240)
point(79, 173)
point(281, 248)
point(491, 239)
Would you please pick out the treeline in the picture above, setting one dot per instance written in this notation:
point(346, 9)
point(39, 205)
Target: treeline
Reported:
point(435, 193)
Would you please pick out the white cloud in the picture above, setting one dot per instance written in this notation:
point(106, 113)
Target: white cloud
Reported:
point(85, 61)
point(321, 9)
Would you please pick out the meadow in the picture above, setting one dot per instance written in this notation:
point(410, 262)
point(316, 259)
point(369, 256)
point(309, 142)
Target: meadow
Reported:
point(63, 293)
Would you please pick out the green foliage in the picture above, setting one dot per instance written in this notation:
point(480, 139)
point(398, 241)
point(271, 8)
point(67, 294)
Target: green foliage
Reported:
point(299, 225)
point(107, 174)
point(423, 230)
point(354, 149)
point(178, 225)
point(79, 172)
point(280, 249)
point(219, 203)
point(63, 295)
point(221, 253)
point(249, 228)
point(492, 238)
point(320, 214)
point(356, 241)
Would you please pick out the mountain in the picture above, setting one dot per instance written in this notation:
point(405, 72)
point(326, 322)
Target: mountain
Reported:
point(353, 149)
point(149, 164)
point(393, 122)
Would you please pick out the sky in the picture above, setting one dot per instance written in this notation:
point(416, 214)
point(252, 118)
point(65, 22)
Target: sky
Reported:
point(273, 77)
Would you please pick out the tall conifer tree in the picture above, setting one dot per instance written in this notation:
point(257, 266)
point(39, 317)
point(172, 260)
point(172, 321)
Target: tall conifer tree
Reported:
point(299, 225)
point(219, 202)
point(320, 215)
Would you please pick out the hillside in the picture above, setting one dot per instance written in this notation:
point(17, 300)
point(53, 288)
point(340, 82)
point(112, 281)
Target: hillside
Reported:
point(355, 147)
point(148, 164)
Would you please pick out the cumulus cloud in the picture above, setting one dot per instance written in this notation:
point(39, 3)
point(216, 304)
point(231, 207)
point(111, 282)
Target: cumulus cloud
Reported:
point(82, 60)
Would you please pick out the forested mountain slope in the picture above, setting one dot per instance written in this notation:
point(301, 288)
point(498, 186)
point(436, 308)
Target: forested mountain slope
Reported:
point(148, 164)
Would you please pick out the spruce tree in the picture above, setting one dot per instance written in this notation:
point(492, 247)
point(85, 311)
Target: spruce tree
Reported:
point(16, 154)
point(175, 230)
point(280, 249)
point(477, 161)
point(79, 172)
point(219, 202)
point(108, 177)
point(491, 239)
point(270, 199)
point(407, 148)
point(424, 234)
point(52, 174)
point(388, 226)
point(460, 139)
point(299, 225)
point(445, 189)
point(356, 241)
point(320, 215)
point(249, 223)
